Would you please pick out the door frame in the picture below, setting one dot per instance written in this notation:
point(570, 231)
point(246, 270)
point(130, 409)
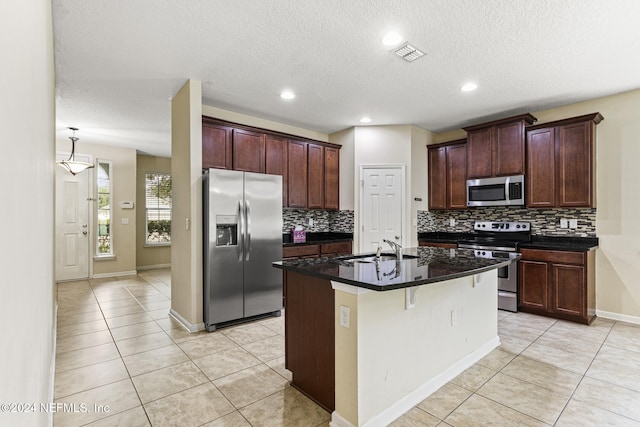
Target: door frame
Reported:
point(63, 155)
point(403, 183)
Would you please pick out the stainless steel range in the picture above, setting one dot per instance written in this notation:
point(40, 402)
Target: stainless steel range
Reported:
point(500, 240)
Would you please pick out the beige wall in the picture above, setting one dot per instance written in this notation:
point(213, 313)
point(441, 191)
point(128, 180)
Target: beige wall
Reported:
point(27, 289)
point(148, 256)
point(123, 161)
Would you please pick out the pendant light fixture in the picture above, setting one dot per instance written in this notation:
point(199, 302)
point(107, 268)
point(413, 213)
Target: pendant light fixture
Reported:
point(71, 164)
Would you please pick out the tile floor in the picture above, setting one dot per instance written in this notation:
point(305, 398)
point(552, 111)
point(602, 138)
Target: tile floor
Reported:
point(118, 348)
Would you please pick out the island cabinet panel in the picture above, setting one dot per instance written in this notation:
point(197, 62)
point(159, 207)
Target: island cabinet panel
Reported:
point(248, 151)
point(447, 175)
point(315, 191)
point(216, 146)
point(331, 178)
point(297, 174)
point(540, 181)
point(558, 284)
point(276, 161)
point(310, 356)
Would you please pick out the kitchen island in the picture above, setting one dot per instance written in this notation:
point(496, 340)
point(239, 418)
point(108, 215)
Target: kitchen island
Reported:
point(368, 339)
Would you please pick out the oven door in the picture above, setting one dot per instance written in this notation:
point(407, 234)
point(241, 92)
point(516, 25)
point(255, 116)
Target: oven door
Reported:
point(508, 277)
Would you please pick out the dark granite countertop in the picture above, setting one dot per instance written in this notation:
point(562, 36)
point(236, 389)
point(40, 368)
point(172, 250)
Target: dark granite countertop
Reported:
point(314, 238)
point(430, 265)
point(557, 243)
point(443, 236)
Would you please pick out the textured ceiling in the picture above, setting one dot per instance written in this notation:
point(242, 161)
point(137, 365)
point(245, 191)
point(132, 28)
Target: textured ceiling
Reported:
point(118, 62)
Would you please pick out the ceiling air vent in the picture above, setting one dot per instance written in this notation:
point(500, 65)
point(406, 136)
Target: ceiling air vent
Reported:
point(408, 52)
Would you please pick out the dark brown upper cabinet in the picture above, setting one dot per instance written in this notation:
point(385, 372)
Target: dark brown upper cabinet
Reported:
point(297, 174)
point(497, 148)
point(216, 146)
point(561, 163)
point(248, 151)
point(447, 175)
point(331, 178)
point(276, 161)
point(315, 170)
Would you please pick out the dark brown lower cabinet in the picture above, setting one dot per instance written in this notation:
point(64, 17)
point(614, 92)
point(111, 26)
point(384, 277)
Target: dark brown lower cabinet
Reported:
point(558, 284)
point(310, 337)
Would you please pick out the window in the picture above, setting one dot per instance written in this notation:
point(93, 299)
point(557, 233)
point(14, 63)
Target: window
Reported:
point(158, 208)
point(104, 244)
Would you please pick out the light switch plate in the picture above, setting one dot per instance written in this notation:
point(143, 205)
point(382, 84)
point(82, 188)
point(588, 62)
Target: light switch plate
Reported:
point(125, 221)
point(345, 314)
point(563, 223)
point(573, 223)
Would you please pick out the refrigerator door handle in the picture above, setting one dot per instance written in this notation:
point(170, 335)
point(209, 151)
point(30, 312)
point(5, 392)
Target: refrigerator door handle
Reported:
point(247, 248)
point(240, 237)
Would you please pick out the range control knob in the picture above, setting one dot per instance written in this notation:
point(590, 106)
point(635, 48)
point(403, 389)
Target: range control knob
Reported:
point(518, 226)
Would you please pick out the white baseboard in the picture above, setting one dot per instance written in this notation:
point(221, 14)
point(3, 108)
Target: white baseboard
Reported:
point(52, 369)
point(116, 274)
point(405, 404)
point(152, 267)
point(187, 325)
point(617, 316)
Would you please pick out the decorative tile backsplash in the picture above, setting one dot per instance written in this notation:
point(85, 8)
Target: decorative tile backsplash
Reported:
point(323, 221)
point(543, 221)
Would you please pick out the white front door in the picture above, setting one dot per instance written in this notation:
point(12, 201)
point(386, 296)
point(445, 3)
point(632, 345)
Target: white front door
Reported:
point(73, 230)
point(382, 207)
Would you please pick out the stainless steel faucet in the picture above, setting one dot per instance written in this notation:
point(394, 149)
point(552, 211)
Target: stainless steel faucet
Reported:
point(396, 247)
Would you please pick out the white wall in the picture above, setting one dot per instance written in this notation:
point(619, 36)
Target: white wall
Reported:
point(27, 289)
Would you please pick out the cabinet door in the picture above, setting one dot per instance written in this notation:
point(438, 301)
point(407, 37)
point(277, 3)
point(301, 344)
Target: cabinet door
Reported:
point(331, 178)
point(457, 176)
point(479, 153)
point(437, 178)
point(216, 146)
point(568, 289)
point(248, 151)
point(508, 149)
point(540, 182)
point(276, 161)
point(574, 165)
point(533, 285)
point(315, 195)
point(297, 174)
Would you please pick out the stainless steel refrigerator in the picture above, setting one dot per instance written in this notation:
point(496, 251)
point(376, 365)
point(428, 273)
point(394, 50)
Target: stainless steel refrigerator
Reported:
point(242, 237)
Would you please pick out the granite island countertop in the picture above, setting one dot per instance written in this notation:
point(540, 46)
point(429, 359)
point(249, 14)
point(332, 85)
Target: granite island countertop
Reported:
point(428, 265)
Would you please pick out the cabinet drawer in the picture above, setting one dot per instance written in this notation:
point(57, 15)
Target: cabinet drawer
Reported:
point(335, 248)
point(300, 251)
point(557, 257)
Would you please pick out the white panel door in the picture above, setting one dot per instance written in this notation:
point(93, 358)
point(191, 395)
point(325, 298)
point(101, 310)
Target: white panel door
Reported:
point(72, 224)
point(381, 208)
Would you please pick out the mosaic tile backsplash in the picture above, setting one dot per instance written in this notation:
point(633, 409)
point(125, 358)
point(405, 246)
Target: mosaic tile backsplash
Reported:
point(544, 222)
point(323, 221)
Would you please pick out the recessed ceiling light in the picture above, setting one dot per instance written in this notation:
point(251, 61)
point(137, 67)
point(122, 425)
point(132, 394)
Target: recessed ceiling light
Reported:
point(365, 119)
point(287, 94)
point(391, 39)
point(468, 87)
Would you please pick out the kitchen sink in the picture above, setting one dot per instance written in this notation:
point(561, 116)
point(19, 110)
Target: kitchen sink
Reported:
point(369, 258)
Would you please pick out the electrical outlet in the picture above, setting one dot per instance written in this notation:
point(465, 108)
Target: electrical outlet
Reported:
point(310, 222)
point(573, 223)
point(345, 316)
point(125, 221)
point(452, 222)
point(563, 223)
point(454, 317)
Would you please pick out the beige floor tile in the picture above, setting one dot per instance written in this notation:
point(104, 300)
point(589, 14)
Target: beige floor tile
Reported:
point(566, 341)
point(267, 349)
point(163, 382)
point(226, 362)
point(76, 342)
point(496, 360)
point(152, 298)
point(542, 374)
point(518, 331)
point(85, 308)
point(538, 402)
point(159, 314)
point(529, 321)
point(128, 319)
point(248, 333)
point(207, 344)
point(192, 407)
point(135, 417)
point(278, 366)
point(122, 311)
point(288, 408)
point(559, 358)
point(416, 418)
point(110, 305)
point(169, 323)
point(625, 336)
point(119, 396)
point(157, 305)
point(596, 332)
point(234, 419)
point(88, 377)
point(180, 335)
point(579, 414)
point(136, 330)
point(86, 356)
point(447, 398)
point(151, 360)
point(474, 377)
point(250, 385)
point(609, 397)
point(504, 314)
point(512, 344)
point(478, 411)
point(276, 324)
point(617, 366)
point(143, 343)
point(82, 328)
point(112, 295)
point(79, 318)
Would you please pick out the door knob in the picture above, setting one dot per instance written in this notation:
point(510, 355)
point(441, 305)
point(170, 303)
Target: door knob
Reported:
point(84, 232)
point(84, 225)
point(397, 237)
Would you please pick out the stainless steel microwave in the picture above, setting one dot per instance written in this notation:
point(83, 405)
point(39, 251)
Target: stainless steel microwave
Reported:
point(500, 191)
